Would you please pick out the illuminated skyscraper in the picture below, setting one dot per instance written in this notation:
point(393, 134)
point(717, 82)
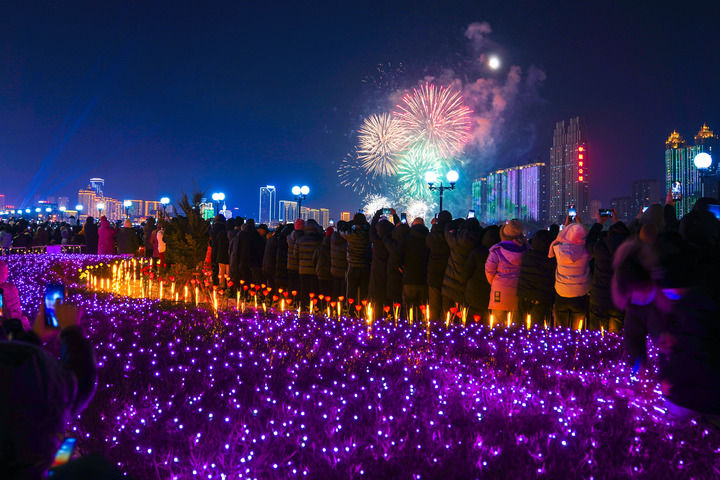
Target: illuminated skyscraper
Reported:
point(2, 201)
point(680, 167)
point(569, 173)
point(345, 216)
point(324, 217)
point(97, 185)
point(287, 211)
point(268, 210)
point(644, 194)
point(517, 192)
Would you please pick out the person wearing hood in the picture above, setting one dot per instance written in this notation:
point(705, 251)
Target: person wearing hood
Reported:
point(358, 257)
point(292, 256)
point(461, 240)
point(477, 287)
point(380, 229)
point(572, 276)
point(106, 237)
point(257, 254)
point(537, 274)
point(11, 307)
point(305, 247)
point(502, 270)
point(338, 259)
point(90, 232)
point(148, 230)
point(439, 253)
point(281, 256)
point(414, 265)
point(322, 260)
point(127, 241)
point(395, 245)
point(220, 250)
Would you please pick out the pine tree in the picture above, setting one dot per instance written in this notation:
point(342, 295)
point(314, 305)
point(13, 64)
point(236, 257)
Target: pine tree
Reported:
point(187, 237)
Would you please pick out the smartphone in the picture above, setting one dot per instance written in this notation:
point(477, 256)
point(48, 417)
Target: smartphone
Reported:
point(63, 455)
point(605, 212)
point(471, 213)
point(645, 209)
point(2, 303)
point(387, 211)
point(676, 190)
point(360, 210)
point(715, 210)
point(403, 217)
point(572, 212)
point(53, 293)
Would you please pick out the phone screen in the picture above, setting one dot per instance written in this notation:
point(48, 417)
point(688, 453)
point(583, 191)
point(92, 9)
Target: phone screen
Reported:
point(53, 292)
point(572, 212)
point(605, 212)
point(645, 209)
point(715, 210)
point(386, 211)
point(2, 303)
point(63, 455)
point(471, 213)
point(403, 218)
point(676, 190)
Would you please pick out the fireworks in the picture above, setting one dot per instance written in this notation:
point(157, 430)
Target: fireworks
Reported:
point(380, 140)
point(375, 202)
point(352, 177)
point(435, 117)
point(411, 173)
point(418, 208)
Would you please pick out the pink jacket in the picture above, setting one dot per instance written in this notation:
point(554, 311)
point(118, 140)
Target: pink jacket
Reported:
point(106, 238)
point(502, 270)
point(11, 298)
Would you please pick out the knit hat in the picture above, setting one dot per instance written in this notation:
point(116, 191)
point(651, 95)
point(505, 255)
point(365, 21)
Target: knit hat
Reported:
point(511, 230)
point(299, 224)
point(329, 231)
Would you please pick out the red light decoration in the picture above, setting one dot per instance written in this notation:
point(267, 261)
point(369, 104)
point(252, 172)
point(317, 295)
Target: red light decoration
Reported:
point(581, 156)
point(580, 179)
point(581, 149)
point(580, 171)
point(580, 164)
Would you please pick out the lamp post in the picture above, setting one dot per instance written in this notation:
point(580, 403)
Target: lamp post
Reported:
point(432, 180)
point(300, 194)
point(164, 201)
point(217, 198)
point(100, 207)
point(62, 213)
point(127, 204)
point(702, 162)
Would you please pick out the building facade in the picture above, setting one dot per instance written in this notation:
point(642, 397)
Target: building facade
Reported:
point(624, 208)
point(680, 167)
point(569, 176)
point(645, 193)
point(325, 217)
point(97, 185)
point(287, 211)
point(345, 216)
point(517, 192)
point(268, 205)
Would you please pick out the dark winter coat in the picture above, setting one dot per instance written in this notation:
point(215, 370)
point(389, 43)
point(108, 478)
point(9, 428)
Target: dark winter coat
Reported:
point(292, 256)
point(147, 234)
point(322, 259)
point(270, 256)
point(415, 256)
point(477, 288)
point(377, 288)
point(281, 255)
point(358, 246)
point(91, 237)
point(127, 241)
point(602, 252)
point(220, 246)
point(537, 273)
point(305, 247)
point(395, 245)
point(338, 255)
point(439, 253)
point(461, 242)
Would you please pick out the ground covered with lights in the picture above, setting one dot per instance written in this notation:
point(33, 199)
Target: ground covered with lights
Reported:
point(185, 394)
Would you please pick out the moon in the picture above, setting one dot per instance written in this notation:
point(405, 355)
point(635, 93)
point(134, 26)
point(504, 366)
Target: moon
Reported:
point(494, 62)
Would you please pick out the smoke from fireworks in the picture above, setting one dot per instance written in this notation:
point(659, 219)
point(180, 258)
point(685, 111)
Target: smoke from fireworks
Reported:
point(380, 140)
point(435, 117)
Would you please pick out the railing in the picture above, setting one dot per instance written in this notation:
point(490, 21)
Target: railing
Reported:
point(40, 249)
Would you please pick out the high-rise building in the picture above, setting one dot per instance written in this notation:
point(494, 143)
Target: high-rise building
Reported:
point(97, 185)
point(268, 210)
point(88, 200)
point(152, 208)
point(63, 202)
point(345, 216)
point(680, 167)
point(645, 193)
point(623, 208)
point(324, 217)
point(595, 206)
point(517, 192)
point(287, 211)
point(569, 174)
point(2, 201)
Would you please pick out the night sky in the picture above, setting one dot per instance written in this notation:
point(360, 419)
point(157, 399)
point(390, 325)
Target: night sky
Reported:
point(233, 96)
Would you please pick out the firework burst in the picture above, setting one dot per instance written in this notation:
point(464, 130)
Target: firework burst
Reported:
point(380, 140)
point(435, 117)
point(411, 173)
point(353, 177)
point(374, 202)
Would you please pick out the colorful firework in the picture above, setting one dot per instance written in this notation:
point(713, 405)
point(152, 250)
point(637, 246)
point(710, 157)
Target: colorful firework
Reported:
point(411, 173)
point(374, 202)
point(418, 208)
point(435, 117)
point(353, 177)
point(380, 140)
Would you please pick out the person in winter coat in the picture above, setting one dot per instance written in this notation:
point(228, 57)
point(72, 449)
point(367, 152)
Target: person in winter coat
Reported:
point(535, 289)
point(338, 260)
point(148, 229)
point(41, 395)
point(106, 237)
point(380, 229)
point(5, 237)
point(220, 253)
point(90, 232)
point(127, 241)
point(358, 258)
point(269, 259)
point(395, 245)
point(11, 307)
point(477, 287)
point(292, 258)
point(321, 260)
point(281, 257)
point(414, 265)
point(305, 247)
point(257, 254)
point(603, 312)
point(438, 256)
point(461, 240)
point(502, 270)
point(572, 276)
point(65, 235)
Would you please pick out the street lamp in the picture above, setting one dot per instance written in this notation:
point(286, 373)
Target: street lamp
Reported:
point(164, 201)
point(100, 207)
point(300, 194)
point(702, 162)
point(127, 204)
point(62, 213)
point(217, 198)
point(432, 179)
point(79, 208)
